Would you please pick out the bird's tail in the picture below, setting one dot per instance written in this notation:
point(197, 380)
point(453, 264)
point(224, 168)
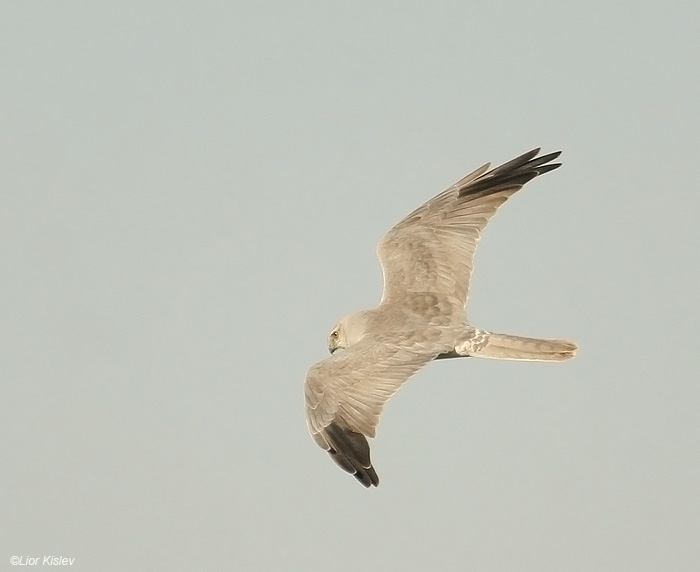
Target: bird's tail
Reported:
point(505, 346)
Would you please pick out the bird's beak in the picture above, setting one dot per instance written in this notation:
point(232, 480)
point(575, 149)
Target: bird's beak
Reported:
point(332, 349)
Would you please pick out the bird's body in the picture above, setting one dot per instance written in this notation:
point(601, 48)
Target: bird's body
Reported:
point(427, 262)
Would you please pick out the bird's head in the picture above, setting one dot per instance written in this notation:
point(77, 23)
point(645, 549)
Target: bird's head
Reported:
point(348, 331)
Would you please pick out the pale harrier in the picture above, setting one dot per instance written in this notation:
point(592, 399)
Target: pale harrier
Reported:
point(427, 262)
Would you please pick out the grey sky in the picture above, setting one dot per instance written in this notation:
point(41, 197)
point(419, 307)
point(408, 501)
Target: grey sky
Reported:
point(191, 196)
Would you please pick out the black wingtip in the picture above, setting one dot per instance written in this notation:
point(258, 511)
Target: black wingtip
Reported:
point(350, 450)
point(514, 173)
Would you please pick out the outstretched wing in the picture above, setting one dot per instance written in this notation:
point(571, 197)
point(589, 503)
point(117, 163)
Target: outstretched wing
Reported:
point(345, 395)
point(432, 249)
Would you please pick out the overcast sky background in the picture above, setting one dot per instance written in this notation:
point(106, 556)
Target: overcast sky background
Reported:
point(190, 197)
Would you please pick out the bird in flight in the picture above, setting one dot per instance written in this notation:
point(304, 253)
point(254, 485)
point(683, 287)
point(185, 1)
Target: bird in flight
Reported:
point(427, 262)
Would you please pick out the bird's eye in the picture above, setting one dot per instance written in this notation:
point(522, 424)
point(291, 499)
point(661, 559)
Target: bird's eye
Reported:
point(334, 335)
